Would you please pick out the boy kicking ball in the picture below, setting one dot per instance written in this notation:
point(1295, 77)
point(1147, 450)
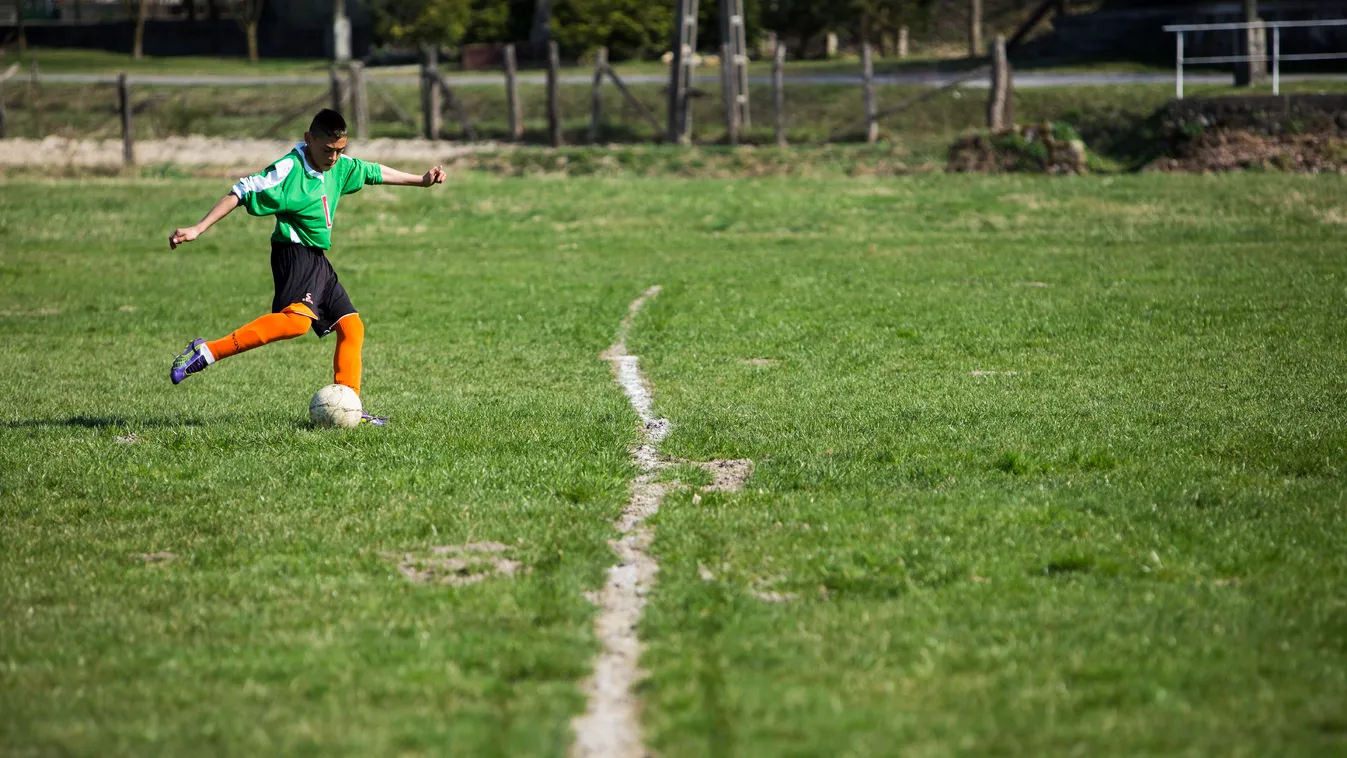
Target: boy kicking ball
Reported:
point(301, 190)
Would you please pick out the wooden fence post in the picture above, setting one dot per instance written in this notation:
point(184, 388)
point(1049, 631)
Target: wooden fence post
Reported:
point(359, 100)
point(455, 104)
point(596, 97)
point(430, 93)
point(512, 93)
point(1000, 112)
point(902, 42)
point(779, 93)
point(729, 81)
point(871, 111)
point(553, 93)
point(338, 89)
point(128, 136)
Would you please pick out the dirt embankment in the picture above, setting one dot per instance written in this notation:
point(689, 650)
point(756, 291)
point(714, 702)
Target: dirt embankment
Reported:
point(1300, 133)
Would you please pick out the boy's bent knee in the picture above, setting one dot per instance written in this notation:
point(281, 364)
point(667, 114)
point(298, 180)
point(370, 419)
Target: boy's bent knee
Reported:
point(297, 320)
point(350, 327)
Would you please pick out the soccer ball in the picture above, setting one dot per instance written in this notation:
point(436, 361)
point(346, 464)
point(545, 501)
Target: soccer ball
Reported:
point(335, 405)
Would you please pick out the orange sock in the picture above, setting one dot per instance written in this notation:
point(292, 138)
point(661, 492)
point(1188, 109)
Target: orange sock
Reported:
point(350, 340)
point(269, 328)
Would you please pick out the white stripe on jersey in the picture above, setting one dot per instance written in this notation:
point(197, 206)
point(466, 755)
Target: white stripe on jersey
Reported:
point(263, 182)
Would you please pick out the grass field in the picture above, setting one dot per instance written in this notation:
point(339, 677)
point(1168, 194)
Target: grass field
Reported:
point(1044, 467)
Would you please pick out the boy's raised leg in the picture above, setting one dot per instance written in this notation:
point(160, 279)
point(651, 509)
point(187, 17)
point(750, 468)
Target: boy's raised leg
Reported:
point(199, 354)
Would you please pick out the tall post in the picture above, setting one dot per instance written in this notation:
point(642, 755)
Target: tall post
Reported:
point(902, 42)
point(729, 82)
point(871, 111)
point(733, 34)
point(974, 28)
point(512, 93)
point(1276, 60)
point(359, 100)
point(341, 33)
point(999, 115)
point(596, 96)
point(128, 131)
point(553, 93)
point(779, 93)
point(430, 93)
point(684, 50)
point(2, 108)
point(1178, 66)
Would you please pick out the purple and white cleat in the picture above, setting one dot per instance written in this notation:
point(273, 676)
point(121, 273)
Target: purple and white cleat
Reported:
point(195, 358)
point(366, 418)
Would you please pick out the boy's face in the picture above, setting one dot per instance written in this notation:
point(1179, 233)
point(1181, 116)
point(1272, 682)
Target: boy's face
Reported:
point(324, 151)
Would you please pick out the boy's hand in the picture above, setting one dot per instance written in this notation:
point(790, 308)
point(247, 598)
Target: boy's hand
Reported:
point(434, 176)
point(179, 236)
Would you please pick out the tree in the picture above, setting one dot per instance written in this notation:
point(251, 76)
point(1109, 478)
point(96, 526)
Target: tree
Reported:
point(247, 12)
point(628, 28)
point(489, 21)
point(429, 22)
point(138, 9)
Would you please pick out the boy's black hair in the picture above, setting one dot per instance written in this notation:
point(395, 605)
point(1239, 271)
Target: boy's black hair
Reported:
point(328, 123)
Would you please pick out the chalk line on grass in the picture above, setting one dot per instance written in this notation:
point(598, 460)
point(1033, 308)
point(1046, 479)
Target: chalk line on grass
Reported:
point(610, 726)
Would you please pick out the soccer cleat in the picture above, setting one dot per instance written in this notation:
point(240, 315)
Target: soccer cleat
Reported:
point(366, 418)
point(192, 360)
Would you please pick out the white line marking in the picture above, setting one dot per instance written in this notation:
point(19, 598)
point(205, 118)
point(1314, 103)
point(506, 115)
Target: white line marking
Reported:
point(610, 726)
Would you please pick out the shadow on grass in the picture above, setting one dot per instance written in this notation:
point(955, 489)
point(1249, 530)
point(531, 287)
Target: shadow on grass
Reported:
point(100, 422)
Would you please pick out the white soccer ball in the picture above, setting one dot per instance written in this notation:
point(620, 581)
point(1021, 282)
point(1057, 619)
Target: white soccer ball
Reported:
point(335, 405)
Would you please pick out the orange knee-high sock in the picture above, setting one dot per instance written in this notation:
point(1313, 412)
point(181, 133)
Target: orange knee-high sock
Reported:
point(269, 328)
point(346, 362)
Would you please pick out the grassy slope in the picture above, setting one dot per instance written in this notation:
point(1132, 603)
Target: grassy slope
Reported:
point(1133, 545)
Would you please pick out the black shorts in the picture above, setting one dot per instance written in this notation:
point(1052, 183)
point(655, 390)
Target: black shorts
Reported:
point(302, 275)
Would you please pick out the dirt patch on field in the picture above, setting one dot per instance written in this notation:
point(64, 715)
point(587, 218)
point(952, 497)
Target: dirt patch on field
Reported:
point(763, 362)
point(155, 559)
point(457, 565)
point(727, 475)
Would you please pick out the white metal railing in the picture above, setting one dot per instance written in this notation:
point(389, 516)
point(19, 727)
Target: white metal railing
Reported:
point(1276, 57)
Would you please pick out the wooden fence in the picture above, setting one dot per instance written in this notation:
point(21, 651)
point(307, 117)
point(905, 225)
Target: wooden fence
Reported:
point(350, 89)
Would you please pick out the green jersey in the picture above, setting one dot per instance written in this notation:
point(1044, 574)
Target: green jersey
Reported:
point(303, 200)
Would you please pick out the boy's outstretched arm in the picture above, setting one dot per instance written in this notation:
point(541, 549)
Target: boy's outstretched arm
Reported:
point(399, 178)
point(188, 233)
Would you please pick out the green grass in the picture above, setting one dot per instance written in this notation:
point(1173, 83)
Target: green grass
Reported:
point(1123, 535)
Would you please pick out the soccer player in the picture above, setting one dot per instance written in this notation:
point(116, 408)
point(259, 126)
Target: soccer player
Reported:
point(301, 190)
